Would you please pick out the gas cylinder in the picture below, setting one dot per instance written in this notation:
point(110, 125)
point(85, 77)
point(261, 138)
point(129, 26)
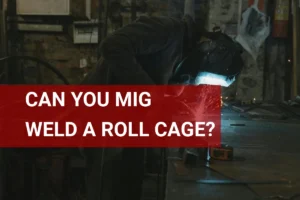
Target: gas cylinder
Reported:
point(281, 19)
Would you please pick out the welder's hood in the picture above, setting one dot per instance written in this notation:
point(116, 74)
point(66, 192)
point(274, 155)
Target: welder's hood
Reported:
point(214, 62)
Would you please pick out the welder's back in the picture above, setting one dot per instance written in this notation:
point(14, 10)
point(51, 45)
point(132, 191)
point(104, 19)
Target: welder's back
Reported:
point(143, 52)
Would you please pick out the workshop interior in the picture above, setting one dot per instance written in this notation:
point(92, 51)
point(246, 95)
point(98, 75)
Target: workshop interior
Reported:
point(57, 42)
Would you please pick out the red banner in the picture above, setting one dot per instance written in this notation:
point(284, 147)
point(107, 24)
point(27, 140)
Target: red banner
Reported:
point(109, 116)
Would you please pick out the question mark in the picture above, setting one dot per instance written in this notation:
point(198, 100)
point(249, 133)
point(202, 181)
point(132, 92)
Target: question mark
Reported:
point(211, 128)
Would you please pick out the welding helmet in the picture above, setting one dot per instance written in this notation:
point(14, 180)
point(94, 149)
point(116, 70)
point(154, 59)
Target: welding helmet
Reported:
point(216, 61)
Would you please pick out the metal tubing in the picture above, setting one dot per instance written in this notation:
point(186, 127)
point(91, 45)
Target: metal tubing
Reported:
point(3, 49)
point(3, 43)
point(105, 13)
point(100, 25)
point(296, 53)
point(133, 10)
point(3, 38)
point(2, 172)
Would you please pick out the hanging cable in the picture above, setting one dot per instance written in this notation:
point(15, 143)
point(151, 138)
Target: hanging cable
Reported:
point(38, 60)
point(102, 32)
point(100, 23)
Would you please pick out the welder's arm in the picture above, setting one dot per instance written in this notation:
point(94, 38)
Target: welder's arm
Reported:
point(146, 36)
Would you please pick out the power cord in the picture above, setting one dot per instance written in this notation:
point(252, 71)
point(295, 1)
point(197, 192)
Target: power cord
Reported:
point(38, 60)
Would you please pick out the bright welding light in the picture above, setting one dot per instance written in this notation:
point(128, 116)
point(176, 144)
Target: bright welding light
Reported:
point(206, 78)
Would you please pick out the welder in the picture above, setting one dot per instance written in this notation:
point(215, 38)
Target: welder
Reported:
point(154, 51)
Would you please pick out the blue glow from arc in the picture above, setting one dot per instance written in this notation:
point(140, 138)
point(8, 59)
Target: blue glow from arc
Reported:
point(206, 78)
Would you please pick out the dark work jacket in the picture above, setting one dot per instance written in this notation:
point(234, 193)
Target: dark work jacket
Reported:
point(145, 52)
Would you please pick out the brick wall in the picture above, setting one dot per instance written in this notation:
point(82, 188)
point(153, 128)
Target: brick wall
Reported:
point(59, 50)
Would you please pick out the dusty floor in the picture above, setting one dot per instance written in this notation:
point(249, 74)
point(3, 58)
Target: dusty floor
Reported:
point(264, 150)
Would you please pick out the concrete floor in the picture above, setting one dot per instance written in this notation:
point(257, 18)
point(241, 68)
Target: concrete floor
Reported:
point(264, 151)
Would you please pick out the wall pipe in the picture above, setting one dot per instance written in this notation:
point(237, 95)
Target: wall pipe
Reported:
point(296, 53)
point(2, 51)
point(100, 25)
point(133, 10)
